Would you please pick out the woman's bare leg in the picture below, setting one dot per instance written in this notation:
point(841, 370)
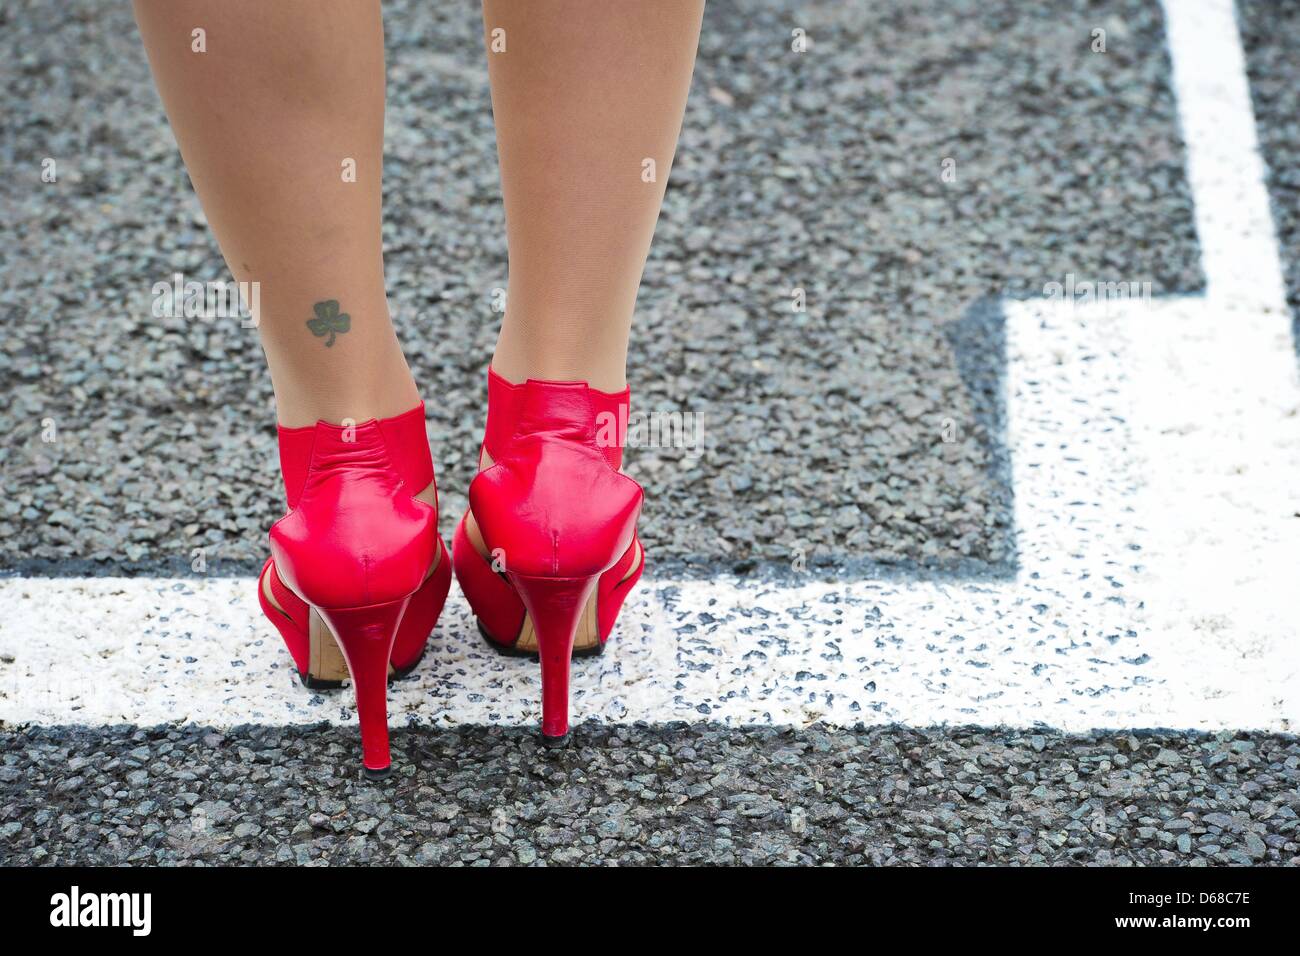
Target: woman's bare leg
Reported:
point(286, 100)
point(588, 97)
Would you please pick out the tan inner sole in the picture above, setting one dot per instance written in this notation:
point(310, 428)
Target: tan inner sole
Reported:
point(325, 660)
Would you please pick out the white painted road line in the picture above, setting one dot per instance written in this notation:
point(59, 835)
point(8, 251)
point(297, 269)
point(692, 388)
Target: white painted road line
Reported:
point(1154, 451)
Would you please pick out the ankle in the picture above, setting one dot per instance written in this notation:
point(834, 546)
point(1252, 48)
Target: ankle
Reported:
point(348, 400)
point(604, 369)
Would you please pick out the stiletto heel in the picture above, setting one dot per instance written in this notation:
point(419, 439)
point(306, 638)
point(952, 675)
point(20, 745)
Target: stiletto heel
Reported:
point(366, 635)
point(555, 605)
point(357, 569)
point(556, 521)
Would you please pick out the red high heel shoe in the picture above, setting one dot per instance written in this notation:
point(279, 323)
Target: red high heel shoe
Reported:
point(548, 551)
point(358, 574)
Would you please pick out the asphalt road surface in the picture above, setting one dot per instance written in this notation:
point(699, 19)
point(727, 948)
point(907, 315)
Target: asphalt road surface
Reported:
point(959, 575)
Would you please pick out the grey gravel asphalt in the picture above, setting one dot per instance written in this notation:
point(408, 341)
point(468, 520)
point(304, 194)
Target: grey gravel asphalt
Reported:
point(674, 794)
point(817, 170)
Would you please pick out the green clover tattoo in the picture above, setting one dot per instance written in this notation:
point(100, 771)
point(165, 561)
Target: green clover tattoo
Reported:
point(329, 321)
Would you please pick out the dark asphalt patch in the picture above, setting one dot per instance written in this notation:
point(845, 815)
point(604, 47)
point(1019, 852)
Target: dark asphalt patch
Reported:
point(1270, 34)
point(978, 341)
point(818, 170)
point(631, 795)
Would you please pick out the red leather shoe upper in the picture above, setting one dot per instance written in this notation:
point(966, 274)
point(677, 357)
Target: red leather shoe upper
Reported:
point(554, 503)
point(355, 535)
point(506, 402)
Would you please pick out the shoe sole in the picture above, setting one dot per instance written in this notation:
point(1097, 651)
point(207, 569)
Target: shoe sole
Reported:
point(394, 674)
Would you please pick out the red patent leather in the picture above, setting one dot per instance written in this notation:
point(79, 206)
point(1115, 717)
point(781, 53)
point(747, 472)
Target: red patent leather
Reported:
point(610, 412)
point(357, 546)
point(556, 514)
point(355, 535)
point(490, 595)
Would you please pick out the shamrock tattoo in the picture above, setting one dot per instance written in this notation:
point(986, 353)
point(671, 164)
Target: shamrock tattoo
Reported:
point(329, 321)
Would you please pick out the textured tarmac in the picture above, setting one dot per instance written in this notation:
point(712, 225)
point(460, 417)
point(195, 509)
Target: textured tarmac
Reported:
point(824, 430)
point(822, 171)
point(635, 796)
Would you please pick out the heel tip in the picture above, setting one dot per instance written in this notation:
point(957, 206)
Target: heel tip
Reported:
point(555, 743)
point(376, 775)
